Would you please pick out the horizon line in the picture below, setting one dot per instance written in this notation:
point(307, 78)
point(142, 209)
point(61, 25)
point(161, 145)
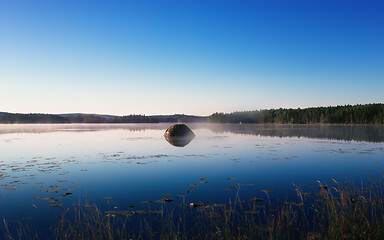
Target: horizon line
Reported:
point(140, 114)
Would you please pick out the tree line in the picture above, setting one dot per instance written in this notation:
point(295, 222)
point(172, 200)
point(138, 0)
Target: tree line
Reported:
point(348, 114)
point(94, 118)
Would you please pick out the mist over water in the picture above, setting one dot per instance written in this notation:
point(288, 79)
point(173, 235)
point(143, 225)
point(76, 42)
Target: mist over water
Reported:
point(46, 169)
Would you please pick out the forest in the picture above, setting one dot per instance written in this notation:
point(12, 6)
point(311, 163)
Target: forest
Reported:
point(348, 114)
point(94, 118)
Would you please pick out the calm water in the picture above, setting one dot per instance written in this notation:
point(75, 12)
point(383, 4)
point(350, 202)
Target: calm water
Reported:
point(45, 169)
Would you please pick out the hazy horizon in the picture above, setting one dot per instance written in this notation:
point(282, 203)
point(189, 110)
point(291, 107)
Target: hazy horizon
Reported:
point(94, 113)
point(188, 57)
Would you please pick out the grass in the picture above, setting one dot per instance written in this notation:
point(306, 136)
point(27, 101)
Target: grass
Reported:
point(333, 211)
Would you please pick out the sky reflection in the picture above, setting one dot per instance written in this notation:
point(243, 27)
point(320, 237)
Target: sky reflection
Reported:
point(45, 169)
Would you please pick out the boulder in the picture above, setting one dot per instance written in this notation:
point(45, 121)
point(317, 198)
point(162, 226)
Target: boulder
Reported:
point(178, 130)
point(179, 135)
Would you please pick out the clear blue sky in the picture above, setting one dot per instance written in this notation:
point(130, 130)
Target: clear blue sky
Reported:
point(193, 57)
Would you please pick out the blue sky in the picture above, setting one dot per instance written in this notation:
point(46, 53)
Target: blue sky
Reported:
point(193, 57)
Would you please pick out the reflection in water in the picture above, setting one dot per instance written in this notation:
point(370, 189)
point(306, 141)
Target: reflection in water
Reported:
point(179, 141)
point(368, 133)
point(129, 167)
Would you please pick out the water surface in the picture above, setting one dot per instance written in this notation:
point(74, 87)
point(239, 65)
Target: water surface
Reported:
point(45, 169)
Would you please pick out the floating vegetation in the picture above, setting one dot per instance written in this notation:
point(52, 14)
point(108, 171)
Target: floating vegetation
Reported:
point(149, 211)
point(168, 200)
point(193, 185)
point(49, 190)
point(255, 199)
point(290, 203)
point(196, 205)
point(56, 205)
point(259, 206)
point(43, 198)
point(6, 185)
point(66, 194)
point(124, 213)
point(231, 178)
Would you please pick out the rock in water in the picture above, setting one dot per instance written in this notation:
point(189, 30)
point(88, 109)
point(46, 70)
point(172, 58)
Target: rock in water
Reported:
point(178, 130)
point(179, 135)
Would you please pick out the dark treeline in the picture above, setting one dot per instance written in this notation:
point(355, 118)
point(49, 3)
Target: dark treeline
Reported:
point(157, 119)
point(32, 118)
point(357, 114)
point(93, 118)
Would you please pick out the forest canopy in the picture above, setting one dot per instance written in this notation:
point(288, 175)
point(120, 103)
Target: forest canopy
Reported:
point(95, 118)
point(348, 114)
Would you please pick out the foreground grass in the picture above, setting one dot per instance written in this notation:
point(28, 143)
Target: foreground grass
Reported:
point(335, 211)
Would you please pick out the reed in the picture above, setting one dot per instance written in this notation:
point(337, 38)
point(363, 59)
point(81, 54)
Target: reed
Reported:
point(333, 211)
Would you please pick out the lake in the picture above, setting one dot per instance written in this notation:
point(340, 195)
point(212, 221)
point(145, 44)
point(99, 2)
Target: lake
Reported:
point(46, 169)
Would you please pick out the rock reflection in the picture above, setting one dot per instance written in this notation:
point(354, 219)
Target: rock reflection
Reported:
point(179, 141)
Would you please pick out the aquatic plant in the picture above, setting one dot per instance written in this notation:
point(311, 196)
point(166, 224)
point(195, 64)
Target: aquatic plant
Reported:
point(339, 211)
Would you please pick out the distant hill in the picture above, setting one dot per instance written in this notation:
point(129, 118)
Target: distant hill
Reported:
point(95, 118)
point(86, 114)
point(3, 113)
